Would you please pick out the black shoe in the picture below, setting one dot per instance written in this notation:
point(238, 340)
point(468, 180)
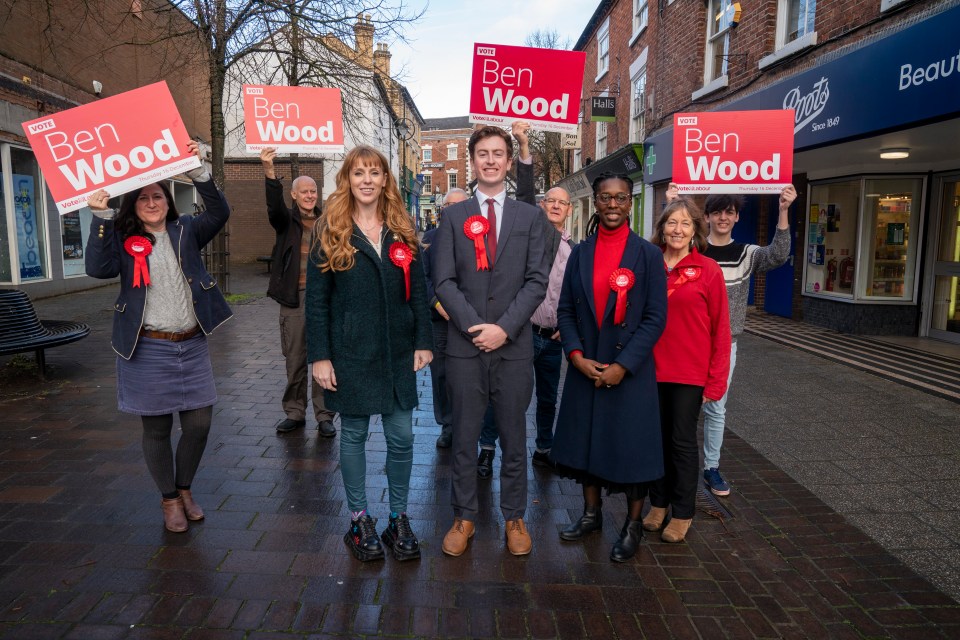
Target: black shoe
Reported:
point(590, 521)
point(362, 539)
point(326, 429)
point(630, 537)
point(288, 425)
point(444, 440)
point(542, 459)
point(485, 463)
point(400, 539)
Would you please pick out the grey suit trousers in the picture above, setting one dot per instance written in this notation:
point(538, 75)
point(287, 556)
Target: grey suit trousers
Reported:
point(293, 343)
point(473, 383)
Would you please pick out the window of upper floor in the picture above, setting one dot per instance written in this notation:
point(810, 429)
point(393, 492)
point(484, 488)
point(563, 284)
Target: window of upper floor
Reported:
point(638, 106)
point(640, 17)
point(795, 29)
point(601, 140)
point(451, 152)
point(603, 48)
point(427, 154)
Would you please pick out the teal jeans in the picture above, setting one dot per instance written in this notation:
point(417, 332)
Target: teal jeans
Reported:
point(398, 431)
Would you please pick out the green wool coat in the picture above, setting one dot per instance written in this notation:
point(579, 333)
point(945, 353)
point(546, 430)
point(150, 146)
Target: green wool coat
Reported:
point(361, 321)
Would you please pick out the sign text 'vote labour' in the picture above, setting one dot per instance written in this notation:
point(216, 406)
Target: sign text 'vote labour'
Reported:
point(733, 151)
point(119, 144)
point(541, 86)
point(293, 119)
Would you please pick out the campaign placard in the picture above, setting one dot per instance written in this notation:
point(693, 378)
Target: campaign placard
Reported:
point(541, 86)
point(733, 151)
point(119, 144)
point(293, 119)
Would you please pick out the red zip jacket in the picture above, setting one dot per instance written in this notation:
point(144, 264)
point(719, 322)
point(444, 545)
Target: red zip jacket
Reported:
point(695, 346)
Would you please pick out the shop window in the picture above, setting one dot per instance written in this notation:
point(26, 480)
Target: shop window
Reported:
point(861, 239)
point(451, 181)
point(427, 154)
point(603, 48)
point(26, 204)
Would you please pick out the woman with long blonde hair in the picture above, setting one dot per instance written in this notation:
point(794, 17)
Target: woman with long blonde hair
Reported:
point(368, 333)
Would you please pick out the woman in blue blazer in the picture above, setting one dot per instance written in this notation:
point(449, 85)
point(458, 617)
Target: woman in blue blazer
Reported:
point(612, 310)
point(168, 304)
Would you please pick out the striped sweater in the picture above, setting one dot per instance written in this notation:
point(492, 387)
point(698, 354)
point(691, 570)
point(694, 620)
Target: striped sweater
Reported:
point(739, 261)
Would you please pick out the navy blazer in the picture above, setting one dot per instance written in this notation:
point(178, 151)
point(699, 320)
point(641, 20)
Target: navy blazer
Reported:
point(106, 258)
point(508, 294)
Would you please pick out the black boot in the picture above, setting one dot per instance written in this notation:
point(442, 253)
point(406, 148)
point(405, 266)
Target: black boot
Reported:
point(590, 521)
point(630, 537)
point(400, 538)
point(362, 539)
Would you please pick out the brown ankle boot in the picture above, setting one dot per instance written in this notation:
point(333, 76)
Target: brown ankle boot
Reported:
point(654, 519)
point(676, 530)
point(192, 509)
point(174, 517)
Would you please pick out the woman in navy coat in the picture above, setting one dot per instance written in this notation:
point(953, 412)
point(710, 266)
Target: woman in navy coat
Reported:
point(612, 310)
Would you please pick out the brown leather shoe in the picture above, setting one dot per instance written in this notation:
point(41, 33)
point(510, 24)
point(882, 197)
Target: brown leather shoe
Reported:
point(518, 540)
point(455, 542)
point(676, 530)
point(654, 519)
point(174, 518)
point(191, 508)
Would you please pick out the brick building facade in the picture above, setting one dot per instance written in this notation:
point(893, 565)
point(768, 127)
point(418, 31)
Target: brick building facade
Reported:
point(50, 60)
point(443, 144)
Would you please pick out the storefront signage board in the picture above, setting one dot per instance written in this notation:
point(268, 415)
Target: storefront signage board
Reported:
point(603, 109)
point(733, 152)
point(119, 144)
point(293, 119)
point(541, 86)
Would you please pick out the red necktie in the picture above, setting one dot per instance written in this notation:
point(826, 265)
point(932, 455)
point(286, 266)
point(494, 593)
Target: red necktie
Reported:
point(492, 234)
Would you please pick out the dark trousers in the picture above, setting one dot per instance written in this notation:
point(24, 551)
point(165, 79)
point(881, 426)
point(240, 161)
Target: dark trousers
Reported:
point(442, 410)
point(679, 410)
point(293, 342)
point(506, 385)
point(547, 360)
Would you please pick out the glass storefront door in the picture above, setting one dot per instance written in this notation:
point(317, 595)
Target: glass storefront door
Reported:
point(944, 303)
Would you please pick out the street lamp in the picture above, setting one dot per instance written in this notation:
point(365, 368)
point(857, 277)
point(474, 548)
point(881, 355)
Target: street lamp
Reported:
point(405, 132)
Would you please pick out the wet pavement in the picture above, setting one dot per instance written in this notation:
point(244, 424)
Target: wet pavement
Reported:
point(83, 553)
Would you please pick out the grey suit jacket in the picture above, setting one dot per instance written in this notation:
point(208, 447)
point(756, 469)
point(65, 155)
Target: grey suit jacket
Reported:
point(508, 294)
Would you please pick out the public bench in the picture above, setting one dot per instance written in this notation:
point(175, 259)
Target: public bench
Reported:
point(268, 260)
point(22, 331)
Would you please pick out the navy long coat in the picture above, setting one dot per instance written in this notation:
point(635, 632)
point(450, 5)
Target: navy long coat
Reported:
point(361, 320)
point(613, 434)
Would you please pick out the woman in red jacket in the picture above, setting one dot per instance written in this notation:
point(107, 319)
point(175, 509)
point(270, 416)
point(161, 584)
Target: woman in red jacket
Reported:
point(692, 359)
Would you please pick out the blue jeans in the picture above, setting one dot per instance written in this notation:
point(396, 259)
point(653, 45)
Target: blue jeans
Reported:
point(714, 417)
point(398, 431)
point(547, 360)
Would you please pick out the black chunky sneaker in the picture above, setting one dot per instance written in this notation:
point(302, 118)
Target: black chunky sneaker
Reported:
point(362, 539)
point(400, 538)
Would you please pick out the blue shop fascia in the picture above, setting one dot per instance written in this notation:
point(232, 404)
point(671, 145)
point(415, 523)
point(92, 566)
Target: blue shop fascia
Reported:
point(877, 166)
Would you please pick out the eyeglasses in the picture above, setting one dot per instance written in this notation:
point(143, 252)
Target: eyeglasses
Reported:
point(605, 198)
point(552, 201)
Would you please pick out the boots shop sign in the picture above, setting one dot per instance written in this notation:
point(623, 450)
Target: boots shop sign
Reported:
point(119, 144)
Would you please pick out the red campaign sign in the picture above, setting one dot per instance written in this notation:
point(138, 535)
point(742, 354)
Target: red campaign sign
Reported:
point(293, 119)
point(541, 86)
point(733, 151)
point(119, 144)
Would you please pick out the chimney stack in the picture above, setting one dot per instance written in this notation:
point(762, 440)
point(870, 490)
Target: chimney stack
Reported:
point(363, 32)
point(381, 60)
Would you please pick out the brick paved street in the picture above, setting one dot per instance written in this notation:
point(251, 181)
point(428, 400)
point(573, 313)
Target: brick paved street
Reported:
point(83, 553)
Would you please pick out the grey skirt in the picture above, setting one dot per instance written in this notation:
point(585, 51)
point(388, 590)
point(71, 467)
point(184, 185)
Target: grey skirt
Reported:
point(166, 377)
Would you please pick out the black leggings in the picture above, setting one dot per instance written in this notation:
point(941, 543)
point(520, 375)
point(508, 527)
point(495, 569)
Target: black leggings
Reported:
point(158, 450)
point(679, 410)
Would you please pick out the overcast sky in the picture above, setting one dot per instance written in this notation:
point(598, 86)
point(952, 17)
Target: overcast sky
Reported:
point(435, 66)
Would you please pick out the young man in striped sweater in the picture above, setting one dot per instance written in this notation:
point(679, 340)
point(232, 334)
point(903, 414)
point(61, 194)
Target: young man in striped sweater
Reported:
point(738, 261)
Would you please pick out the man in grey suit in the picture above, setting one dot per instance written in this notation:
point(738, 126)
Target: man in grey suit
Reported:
point(489, 341)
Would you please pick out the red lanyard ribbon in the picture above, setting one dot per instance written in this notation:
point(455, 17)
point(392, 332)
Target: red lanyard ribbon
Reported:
point(139, 247)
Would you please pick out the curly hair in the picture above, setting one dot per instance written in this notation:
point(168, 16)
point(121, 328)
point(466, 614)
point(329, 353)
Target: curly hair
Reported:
point(332, 248)
point(699, 223)
point(489, 131)
point(129, 224)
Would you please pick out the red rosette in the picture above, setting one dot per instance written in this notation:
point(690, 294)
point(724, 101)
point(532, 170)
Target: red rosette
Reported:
point(139, 247)
point(690, 273)
point(476, 228)
point(621, 281)
point(401, 256)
